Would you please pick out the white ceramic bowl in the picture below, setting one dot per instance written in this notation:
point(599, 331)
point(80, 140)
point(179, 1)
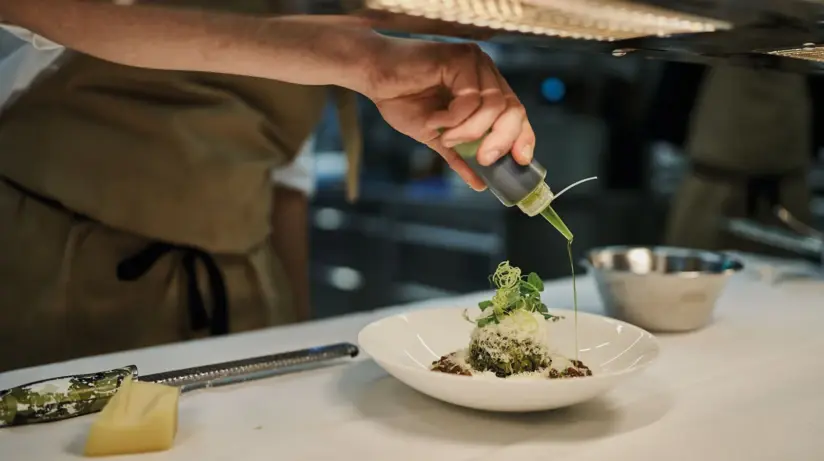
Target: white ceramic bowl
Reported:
point(405, 345)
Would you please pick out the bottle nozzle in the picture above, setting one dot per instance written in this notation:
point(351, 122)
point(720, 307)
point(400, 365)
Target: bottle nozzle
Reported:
point(550, 215)
point(537, 200)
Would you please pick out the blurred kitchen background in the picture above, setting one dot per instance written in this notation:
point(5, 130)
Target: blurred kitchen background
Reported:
point(419, 232)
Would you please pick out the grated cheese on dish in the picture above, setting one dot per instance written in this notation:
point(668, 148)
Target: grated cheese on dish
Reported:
point(521, 327)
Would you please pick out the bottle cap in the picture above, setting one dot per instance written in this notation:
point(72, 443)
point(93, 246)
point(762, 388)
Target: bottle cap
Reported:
point(537, 200)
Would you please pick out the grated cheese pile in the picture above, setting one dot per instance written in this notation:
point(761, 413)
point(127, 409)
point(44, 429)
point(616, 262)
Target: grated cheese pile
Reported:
point(522, 327)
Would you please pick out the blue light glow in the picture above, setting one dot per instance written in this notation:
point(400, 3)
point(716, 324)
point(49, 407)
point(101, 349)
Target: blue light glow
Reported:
point(553, 89)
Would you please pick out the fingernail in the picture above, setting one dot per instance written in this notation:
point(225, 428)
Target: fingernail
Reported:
point(448, 143)
point(488, 157)
point(526, 152)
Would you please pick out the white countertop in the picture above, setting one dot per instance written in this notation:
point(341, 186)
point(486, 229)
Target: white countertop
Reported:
point(748, 387)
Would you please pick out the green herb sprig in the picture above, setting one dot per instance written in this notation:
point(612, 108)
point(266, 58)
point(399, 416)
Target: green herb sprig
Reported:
point(513, 292)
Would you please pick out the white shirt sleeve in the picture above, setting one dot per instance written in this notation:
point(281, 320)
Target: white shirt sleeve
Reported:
point(300, 174)
point(24, 56)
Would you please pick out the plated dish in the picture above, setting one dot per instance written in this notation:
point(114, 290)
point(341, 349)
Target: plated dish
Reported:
point(409, 347)
point(510, 338)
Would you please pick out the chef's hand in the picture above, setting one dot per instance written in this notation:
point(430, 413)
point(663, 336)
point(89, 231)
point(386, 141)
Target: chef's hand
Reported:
point(421, 86)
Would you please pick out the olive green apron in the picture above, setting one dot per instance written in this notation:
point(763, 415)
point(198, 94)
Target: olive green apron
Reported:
point(135, 207)
point(749, 146)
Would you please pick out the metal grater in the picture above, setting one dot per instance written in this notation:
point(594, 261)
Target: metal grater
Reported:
point(67, 397)
point(239, 371)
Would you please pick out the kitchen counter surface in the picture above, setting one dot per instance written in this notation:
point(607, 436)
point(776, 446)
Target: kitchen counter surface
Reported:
point(749, 386)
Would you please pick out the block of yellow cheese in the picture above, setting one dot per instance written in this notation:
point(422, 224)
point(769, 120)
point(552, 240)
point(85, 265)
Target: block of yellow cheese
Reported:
point(139, 418)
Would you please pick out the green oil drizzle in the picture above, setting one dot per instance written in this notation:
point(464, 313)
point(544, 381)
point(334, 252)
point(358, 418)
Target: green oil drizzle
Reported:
point(550, 215)
point(574, 295)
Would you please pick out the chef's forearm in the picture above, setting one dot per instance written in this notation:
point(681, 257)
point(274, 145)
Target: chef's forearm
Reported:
point(180, 39)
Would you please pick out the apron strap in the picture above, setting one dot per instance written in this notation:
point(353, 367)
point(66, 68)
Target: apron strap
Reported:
point(347, 109)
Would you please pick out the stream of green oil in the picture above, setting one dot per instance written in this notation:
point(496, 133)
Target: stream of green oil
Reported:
point(550, 215)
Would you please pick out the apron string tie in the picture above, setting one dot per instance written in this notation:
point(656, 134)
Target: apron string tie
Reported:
point(134, 267)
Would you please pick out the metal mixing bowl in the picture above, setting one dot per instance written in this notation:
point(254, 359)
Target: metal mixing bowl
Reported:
point(663, 289)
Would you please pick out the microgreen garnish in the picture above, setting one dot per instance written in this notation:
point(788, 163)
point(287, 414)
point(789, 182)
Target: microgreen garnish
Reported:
point(513, 292)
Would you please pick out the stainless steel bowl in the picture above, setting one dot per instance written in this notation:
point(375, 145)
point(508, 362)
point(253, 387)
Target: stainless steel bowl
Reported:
point(660, 288)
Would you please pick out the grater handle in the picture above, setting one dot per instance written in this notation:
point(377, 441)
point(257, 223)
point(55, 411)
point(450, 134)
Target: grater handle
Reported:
point(60, 398)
